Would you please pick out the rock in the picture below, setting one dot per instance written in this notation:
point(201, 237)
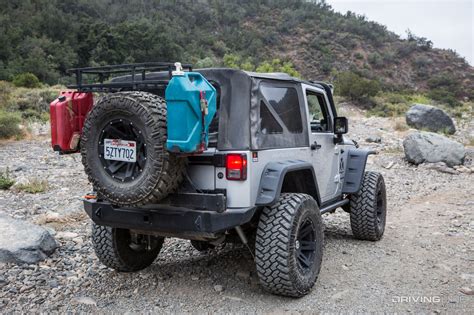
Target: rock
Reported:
point(421, 147)
point(245, 275)
point(218, 288)
point(428, 117)
point(442, 167)
point(3, 281)
point(22, 242)
point(467, 276)
point(66, 235)
point(467, 291)
point(374, 139)
point(84, 300)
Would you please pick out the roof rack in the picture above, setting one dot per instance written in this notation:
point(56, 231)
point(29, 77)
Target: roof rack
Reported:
point(138, 77)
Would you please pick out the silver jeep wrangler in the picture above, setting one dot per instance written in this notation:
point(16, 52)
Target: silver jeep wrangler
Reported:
point(276, 161)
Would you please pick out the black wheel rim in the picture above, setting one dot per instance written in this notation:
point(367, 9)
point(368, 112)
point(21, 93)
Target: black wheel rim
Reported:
point(123, 129)
point(306, 245)
point(380, 209)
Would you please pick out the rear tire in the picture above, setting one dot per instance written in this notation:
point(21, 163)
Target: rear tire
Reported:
point(289, 245)
point(368, 208)
point(138, 117)
point(123, 251)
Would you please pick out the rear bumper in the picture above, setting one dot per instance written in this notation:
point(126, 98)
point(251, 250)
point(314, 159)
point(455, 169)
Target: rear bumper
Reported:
point(166, 219)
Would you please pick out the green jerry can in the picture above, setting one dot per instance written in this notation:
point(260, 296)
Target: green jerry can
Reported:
point(191, 105)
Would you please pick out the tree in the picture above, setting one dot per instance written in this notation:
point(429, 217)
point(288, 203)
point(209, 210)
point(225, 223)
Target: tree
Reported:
point(355, 87)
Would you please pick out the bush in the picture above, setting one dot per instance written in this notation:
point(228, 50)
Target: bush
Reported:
point(5, 181)
point(207, 62)
point(355, 87)
point(375, 60)
point(446, 88)
point(444, 96)
point(10, 125)
point(28, 80)
point(5, 93)
point(358, 56)
point(37, 100)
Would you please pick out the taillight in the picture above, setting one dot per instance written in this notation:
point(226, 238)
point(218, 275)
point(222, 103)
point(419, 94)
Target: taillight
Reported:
point(236, 166)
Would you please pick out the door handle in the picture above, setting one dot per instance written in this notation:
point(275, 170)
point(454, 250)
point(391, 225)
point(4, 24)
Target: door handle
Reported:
point(315, 146)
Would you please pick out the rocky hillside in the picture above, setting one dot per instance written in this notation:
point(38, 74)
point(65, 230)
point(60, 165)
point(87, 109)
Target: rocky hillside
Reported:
point(48, 36)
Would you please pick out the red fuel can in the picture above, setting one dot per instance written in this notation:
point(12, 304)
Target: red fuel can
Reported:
point(67, 115)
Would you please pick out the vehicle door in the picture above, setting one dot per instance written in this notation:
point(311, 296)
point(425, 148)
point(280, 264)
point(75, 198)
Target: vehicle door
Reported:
point(325, 153)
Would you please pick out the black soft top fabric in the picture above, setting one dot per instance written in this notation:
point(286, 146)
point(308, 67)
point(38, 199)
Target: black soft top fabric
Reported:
point(238, 112)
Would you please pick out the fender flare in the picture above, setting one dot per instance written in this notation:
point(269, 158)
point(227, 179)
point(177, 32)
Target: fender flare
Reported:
point(355, 168)
point(272, 178)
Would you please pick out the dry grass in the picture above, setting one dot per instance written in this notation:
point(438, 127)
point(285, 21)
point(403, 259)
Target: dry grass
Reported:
point(400, 126)
point(61, 222)
point(393, 150)
point(34, 186)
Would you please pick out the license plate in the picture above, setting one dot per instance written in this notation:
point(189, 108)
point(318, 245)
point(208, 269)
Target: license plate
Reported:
point(120, 150)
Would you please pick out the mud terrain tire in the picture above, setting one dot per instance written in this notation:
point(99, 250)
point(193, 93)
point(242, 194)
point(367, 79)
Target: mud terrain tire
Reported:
point(368, 208)
point(132, 116)
point(289, 245)
point(115, 249)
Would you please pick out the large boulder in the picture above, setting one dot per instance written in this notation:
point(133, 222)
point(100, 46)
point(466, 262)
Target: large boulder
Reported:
point(430, 147)
point(428, 117)
point(22, 242)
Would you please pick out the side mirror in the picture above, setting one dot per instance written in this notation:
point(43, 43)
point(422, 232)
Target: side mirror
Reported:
point(341, 125)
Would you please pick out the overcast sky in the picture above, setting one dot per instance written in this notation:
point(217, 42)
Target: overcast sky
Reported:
point(448, 23)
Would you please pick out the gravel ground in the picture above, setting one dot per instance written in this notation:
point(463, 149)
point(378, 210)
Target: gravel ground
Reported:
point(424, 263)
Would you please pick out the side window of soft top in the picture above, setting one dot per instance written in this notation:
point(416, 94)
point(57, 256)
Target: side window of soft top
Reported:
point(318, 113)
point(279, 110)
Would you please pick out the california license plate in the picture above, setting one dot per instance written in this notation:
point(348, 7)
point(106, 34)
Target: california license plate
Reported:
point(120, 150)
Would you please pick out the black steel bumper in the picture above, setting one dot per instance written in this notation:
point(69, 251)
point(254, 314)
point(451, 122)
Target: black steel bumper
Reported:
point(167, 219)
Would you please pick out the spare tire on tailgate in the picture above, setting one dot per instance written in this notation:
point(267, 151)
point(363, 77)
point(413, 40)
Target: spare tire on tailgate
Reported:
point(123, 149)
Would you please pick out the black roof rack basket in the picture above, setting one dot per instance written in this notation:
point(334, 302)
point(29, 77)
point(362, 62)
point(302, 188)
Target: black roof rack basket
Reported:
point(100, 77)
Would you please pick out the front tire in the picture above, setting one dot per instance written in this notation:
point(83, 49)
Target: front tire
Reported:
point(289, 245)
point(124, 251)
point(368, 208)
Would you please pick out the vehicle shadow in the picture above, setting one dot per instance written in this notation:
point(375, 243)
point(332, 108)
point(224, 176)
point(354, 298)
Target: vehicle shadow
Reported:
point(181, 268)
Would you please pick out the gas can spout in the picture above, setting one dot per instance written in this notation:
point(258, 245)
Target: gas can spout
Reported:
point(179, 69)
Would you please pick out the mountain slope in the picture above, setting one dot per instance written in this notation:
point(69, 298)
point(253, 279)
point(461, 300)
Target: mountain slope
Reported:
point(48, 36)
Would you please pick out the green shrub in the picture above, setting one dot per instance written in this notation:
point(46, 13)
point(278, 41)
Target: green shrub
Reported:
point(5, 181)
point(37, 100)
point(385, 109)
point(395, 104)
point(375, 60)
point(355, 87)
point(444, 96)
point(5, 93)
point(9, 125)
point(207, 62)
point(445, 88)
point(28, 80)
point(358, 56)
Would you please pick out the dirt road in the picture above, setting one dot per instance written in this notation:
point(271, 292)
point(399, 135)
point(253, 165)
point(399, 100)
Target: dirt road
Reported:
point(424, 263)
